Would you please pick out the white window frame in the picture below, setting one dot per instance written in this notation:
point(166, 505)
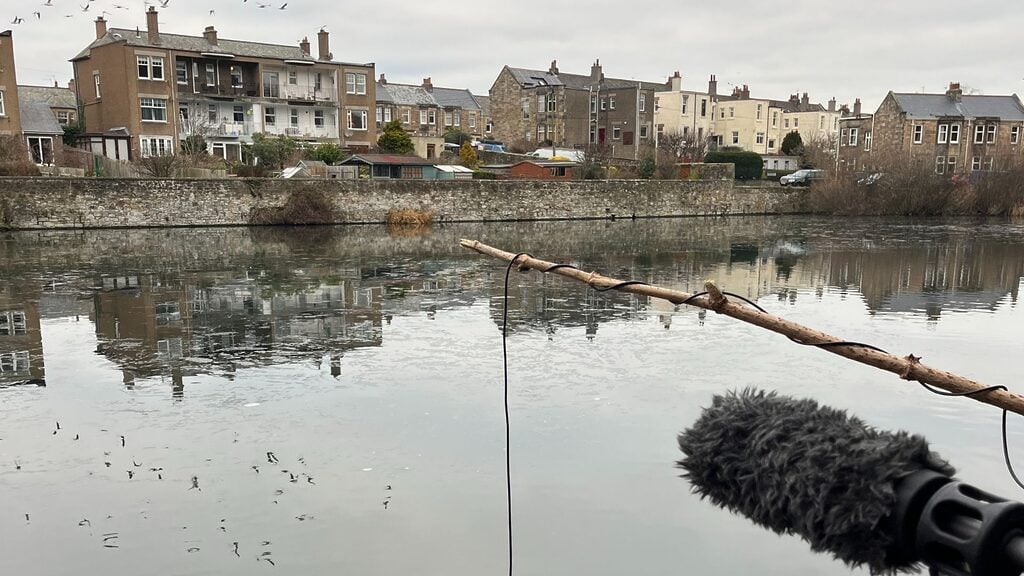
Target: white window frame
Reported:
point(758, 113)
point(979, 134)
point(211, 74)
point(3, 107)
point(236, 111)
point(867, 141)
point(844, 135)
point(380, 114)
point(643, 132)
point(1014, 134)
point(854, 136)
point(293, 117)
point(181, 72)
point(759, 138)
point(355, 83)
point(96, 83)
point(156, 106)
point(918, 133)
point(976, 163)
point(156, 146)
point(423, 117)
point(447, 118)
point(954, 133)
point(318, 119)
point(271, 85)
point(236, 71)
point(616, 133)
point(940, 164)
point(943, 134)
point(387, 114)
point(643, 103)
point(432, 117)
point(39, 143)
point(735, 137)
point(293, 78)
point(349, 114)
point(150, 67)
point(405, 116)
point(270, 116)
point(212, 112)
point(991, 130)
point(63, 117)
point(458, 117)
point(472, 120)
point(611, 102)
point(775, 119)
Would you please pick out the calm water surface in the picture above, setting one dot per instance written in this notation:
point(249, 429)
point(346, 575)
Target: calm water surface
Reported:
point(328, 401)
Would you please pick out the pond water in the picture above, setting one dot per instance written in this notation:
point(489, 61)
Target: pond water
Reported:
point(329, 400)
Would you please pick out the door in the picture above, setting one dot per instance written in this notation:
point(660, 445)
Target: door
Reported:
point(600, 135)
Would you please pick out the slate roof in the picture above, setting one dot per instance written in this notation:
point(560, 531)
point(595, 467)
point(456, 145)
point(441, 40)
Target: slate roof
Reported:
point(455, 97)
point(401, 159)
point(485, 104)
point(54, 97)
point(528, 78)
point(37, 118)
point(970, 106)
point(199, 44)
point(407, 95)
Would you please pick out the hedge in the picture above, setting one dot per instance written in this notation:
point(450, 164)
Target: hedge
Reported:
point(748, 164)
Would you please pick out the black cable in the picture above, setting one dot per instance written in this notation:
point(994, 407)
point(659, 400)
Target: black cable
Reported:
point(1006, 453)
point(508, 444)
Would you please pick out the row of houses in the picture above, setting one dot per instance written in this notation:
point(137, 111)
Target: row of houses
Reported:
point(142, 92)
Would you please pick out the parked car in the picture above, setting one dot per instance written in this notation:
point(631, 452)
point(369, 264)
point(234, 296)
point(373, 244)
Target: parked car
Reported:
point(802, 177)
point(549, 153)
point(492, 148)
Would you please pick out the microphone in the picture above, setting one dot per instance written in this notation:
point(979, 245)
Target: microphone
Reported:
point(870, 498)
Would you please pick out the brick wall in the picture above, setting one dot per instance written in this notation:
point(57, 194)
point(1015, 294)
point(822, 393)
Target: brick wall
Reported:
point(28, 203)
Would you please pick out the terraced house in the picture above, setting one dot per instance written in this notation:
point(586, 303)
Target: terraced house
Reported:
point(162, 88)
point(956, 132)
point(530, 107)
point(427, 112)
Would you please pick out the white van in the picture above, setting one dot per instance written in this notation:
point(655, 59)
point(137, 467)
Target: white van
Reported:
point(549, 153)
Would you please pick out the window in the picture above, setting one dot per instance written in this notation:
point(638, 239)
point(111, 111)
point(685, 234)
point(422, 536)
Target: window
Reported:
point(318, 118)
point(356, 119)
point(867, 140)
point(541, 100)
point(155, 146)
point(940, 164)
point(387, 114)
point(41, 148)
point(318, 81)
point(979, 134)
point(735, 137)
point(12, 323)
point(616, 133)
point(405, 116)
point(447, 118)
point(552, 104)
point(1015, 135)
point(844, 135)
point(16, 362)
point(380, 114)
point(821, 122)
point(604, 103)
point(643, 106)
point(950, 164)
point(976, 163)
point(593, 135)
point(472, 120)
point(990, 131)
point(489, 126)
point(238, 114)
point(181, 71)
point(943, 134)
point(853, 136)
point(721, 113)
point(293, 78)
point(150, 67)
point(758, 113)
point(643, 131)
point(760, 138)
point(211, 74)
point(785, 123)
point(541, 131)
point(458, 117)
point(63, 117)
point(211, 112)
point(918, 133)
point(775, 119)
point(270, 85)
point(796, 122)
point(525, 103)
point(293, 117)
point(3, 108)
point(154, 109)
point(236, 76)
point(96, 82)
point(682, 110)
point(732, 112)
point(954, 133)
point(355, 83)
point(771, 144)
point(431, 117)
point(611, 102)
point(269, 115)
point(593, 104)
point(703, 107)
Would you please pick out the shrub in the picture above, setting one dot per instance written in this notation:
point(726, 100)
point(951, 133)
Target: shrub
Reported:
point(484, 175)
point(748, 164)
point(648, 165)
point(302, 207)
point(409, 217)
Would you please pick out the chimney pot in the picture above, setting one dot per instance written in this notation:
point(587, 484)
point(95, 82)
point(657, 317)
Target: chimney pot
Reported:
point(210, 33)
point(713, 86)
point(152, 26)
point(304, 45)
point(856, 107)
point(554, 68)
point(428, 84)
point(382, 79)
point(954, 93)
point(832, 105)
point(101, 27)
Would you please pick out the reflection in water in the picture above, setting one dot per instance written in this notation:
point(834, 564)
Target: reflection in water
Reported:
point(203, 378)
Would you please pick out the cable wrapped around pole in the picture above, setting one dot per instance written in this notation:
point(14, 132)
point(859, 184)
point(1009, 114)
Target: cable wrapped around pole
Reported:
point(908, 367)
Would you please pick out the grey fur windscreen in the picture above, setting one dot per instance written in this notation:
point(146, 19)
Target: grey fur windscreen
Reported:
point(795, 467)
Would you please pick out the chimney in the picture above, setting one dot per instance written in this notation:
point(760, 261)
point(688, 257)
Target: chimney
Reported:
point(152, 26)
point(428, 85)
point(955, 93)
point(596, 75)
point(844, 110)
point(675, 82)
point(794, 99)
point(745, 93)
point(804, 100)
point(382, 79)
point(71, 86)
point(856, 107)
point(554, 68)
point(101, 27)
point(210, 33)
point(323, 37)
point(832, 104)
point(713, 86)
point(304, 45)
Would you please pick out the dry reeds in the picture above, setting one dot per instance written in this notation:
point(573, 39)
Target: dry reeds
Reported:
point(410, 218)
point(303, 207)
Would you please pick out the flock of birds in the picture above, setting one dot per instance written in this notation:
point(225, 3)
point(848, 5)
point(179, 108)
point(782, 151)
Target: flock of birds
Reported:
point(111, 539)
point(38, 14)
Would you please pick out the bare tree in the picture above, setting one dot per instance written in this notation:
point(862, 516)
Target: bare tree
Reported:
point(196, 128)
point(684, 147)
point(819, 152)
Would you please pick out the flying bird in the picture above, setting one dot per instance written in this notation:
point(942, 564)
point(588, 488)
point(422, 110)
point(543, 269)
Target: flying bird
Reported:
point(163, 3)
point(213, 12)
point(19, 21)
point(283, 6)
point(37, 15)
point(85, 8)
point(48, 3)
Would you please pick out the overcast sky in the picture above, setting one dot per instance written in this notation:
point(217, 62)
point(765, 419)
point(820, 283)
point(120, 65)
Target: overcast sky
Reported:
point(840, 49)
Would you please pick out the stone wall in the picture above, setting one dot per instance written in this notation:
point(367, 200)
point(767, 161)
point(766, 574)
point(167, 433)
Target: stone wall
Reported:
point(52, 203)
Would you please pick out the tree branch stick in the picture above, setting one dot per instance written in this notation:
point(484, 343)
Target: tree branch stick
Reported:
point(909, 367)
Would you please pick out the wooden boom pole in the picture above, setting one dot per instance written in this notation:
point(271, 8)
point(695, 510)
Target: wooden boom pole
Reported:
point(908, 367)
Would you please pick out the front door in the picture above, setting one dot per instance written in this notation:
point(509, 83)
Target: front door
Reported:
point(600, 135)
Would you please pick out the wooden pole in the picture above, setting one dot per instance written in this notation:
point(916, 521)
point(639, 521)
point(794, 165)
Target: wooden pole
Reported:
point(908, 367)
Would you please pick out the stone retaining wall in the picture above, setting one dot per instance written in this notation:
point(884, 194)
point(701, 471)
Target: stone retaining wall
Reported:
point(32, 203)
